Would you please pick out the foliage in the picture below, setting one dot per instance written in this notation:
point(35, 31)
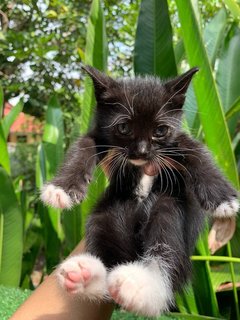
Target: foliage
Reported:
point(202, 33)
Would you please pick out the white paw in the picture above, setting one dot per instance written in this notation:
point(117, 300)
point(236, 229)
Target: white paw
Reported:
point(144, 290)
point(227, 209)
point(84, 275)
point(55, 197)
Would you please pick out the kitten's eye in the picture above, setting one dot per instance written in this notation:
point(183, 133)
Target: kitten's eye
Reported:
point(160, 131)
point(124, 128)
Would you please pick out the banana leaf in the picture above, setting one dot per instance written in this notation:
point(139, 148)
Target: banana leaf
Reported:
point(154, 52)
point(11, 233)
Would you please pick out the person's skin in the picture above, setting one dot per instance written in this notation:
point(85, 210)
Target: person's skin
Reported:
point(50, 302)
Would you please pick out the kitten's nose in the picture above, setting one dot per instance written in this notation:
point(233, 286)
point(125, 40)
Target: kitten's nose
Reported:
point(139, 150)
point(142, 149)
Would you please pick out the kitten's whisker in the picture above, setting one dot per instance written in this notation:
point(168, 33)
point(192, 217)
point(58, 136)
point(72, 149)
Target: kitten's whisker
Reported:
point(109, 157)
point(133, 99)
point(167, 120)
point(155, 163)
point(128, 102)
point(180, 164)
point(95, 155)
point(175, 153)
point(100, 146)
point(120, 104)
point(117, 120)
point(162, 166)
point(168, 164)
point(172, 96)
point(168, 174)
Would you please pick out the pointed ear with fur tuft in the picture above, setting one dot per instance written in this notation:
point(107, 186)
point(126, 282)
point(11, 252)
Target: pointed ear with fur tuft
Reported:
point(180, 84)
point(101, 81)
point(178, 87)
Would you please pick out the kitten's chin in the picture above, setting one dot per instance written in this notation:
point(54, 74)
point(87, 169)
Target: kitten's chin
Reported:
point(138, 162)
point(149, 168)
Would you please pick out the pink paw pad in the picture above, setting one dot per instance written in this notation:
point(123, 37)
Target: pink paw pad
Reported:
point(84, 275)
point(75, 279)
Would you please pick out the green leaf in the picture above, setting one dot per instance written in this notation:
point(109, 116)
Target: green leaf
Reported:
point(221, 274)
point(209, 105)
point(50, 157)
point(186, 301)
point(4, 157)
point(213, 37)
point(179, 52)
point(181, 316)
point(95, 189)
point(234, 109)
point(11, 233)
point(228, 73)
point(228, 78)
point(53, 138)
point(154, 52)
point(72, 222)
point(96, 56)
point(234, 8)
point(40, 167)
point(213, 34)
point(8, 120)
point(1, 101)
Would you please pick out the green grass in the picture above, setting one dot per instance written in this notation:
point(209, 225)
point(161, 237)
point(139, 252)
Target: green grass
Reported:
point(11, 299)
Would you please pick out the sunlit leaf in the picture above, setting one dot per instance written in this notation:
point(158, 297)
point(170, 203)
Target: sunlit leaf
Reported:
point(11, 233)
point(9, 119)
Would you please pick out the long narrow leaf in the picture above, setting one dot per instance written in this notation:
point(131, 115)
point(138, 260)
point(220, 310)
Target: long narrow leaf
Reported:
point(11, 233)
point(50, 155)
point(228, 73)
point(228, 78)
point(213, 37)
point(4, 157)
point(210, 108)
point(8, 120)
point(1, 101)
point(213, 34)
point(153, 45)
point(234, 109)
point(96, 56)
point(233, 7)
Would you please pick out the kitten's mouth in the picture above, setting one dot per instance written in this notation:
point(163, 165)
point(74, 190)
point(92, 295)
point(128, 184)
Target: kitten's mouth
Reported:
point(138, 162)
point(149, 168)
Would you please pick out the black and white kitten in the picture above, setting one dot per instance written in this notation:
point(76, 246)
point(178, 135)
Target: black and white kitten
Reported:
point(142, 231)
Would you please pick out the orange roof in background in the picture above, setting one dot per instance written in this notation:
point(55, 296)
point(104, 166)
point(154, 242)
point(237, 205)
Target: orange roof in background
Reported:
point(24, 122)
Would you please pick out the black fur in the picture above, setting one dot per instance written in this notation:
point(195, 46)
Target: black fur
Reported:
point(167, 222)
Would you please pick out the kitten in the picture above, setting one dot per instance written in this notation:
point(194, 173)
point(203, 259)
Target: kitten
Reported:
point(142, 231)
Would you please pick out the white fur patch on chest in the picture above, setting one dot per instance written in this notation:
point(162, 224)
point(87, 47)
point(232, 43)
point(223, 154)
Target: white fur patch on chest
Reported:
point(144, 187)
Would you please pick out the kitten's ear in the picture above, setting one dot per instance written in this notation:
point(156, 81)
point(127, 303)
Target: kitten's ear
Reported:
point(177, 88)
point(100, 80)
point(180, 84)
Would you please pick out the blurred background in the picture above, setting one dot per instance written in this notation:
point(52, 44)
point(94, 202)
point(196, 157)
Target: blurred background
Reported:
point(46, 102)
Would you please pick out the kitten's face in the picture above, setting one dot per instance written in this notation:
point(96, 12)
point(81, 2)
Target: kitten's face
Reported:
point(140, 117)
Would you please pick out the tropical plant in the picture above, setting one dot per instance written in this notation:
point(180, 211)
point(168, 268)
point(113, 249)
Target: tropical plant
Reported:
point(207, 102)
point(42, 236)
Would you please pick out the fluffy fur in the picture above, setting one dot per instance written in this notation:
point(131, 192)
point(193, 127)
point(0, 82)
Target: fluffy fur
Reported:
point(161, 184)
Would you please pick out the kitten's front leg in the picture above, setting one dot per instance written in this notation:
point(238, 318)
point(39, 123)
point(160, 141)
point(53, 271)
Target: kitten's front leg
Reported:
point(213, 191)
point(69, 187)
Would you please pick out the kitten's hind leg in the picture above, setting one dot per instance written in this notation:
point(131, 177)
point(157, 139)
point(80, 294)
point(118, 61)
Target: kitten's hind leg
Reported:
point(146, 286)
point(83, 275)
point(141, 287)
